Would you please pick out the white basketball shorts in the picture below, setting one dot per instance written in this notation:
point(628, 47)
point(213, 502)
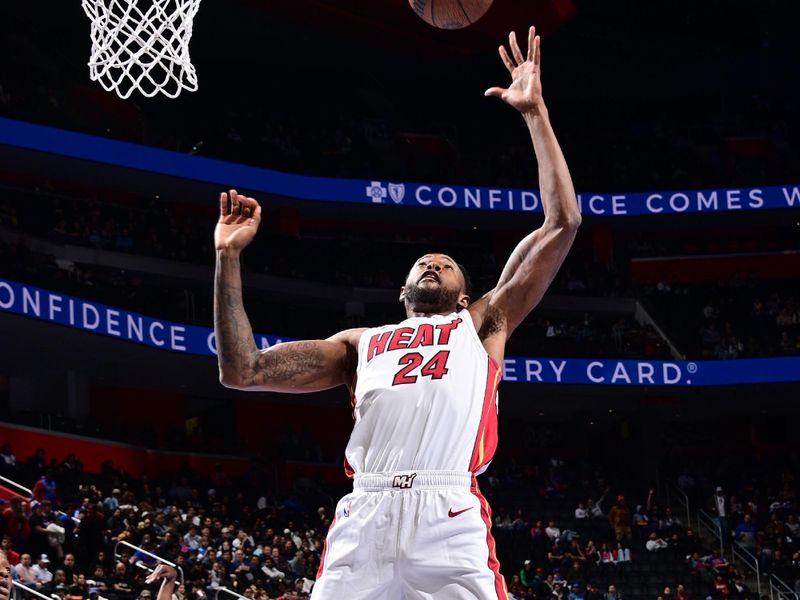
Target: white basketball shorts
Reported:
point(411, 536)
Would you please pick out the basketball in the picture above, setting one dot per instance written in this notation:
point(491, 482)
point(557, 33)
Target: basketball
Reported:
point(450, 14)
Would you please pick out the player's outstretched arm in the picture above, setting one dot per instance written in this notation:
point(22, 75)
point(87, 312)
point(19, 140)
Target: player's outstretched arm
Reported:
point(289, 367)
point(535, 261)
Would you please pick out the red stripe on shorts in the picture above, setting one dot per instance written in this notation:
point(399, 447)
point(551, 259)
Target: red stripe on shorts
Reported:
point(486, 439)
point(325, 549)
point(494, 564)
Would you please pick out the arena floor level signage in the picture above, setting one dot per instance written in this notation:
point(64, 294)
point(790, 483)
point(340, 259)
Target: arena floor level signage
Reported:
point(254, 179)
point(37, 303)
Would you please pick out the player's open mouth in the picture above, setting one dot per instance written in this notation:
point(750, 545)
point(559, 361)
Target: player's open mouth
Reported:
point(429, 275)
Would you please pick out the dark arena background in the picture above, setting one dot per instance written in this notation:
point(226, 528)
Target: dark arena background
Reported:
point(655, 384)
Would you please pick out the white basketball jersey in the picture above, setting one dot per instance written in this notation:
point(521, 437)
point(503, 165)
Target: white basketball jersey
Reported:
point(425, 398)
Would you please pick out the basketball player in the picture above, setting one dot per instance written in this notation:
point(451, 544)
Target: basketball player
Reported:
point(424, 391)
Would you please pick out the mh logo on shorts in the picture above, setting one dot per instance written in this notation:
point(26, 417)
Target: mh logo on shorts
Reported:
point(403, 482)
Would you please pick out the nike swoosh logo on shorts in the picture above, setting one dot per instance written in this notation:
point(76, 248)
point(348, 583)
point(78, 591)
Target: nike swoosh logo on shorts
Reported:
point(452, 514)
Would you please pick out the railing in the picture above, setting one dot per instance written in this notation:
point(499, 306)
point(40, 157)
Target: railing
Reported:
point(17, 588)
point(779, 590)
point(231, 592)
point(141, 564)
point(709, 524)
point(681, 498)
point(749, 559)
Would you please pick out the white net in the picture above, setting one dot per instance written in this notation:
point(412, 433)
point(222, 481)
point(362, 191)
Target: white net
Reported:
point(142, 45)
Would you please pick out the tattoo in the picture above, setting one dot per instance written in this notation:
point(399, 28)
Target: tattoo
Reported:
point(285, 362)
point(494, 320)
point(236, 348)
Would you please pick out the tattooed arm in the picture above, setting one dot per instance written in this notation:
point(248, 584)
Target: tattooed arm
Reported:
point(289, 367)
point(535, 261)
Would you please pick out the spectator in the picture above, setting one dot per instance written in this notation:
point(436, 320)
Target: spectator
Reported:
point(7, 459)
point(622, 554)
point(746, 533)
point(111, 503)
point(41, 571)
point(655, 543)
point(720, 510)
point(45, 489)
point(620, 519)
point(15, 522)
point(12, 556)
point(526, 573)
point(581, 512)
point(24, 571)
point(552, 531)
point(612, 593)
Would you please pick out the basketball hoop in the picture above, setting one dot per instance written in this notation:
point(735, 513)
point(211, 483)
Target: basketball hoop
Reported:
point(142, 45)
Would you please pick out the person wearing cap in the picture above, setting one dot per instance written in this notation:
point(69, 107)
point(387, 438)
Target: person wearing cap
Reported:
point(526, 573)
point(41, 572)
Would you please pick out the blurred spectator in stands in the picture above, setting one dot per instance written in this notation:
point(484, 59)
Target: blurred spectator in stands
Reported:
point(118, 584)
point(526, 574)
point(719, 510)
point(539, 539)
point(681, 593)
point(593, 592)
point(41, 571)
point(576, 592)
point(720, 587)
point(606, 555)
point(69, 568)
point(746, 533)
point(738, 588)
point(7, 459)
point(612, 593)
point(574, 552)
point(16, 523)
point(12, 556)
point(620, 519)
point(581, 512)
point(655, 543)
point(37, 461)
point(622, 554)
point(45, 489)
point(591, 553)
point(46, 534)
point(596, 508)
point(111, 503)
point(90, 535)
point(555, 557)
point(516, 589)
point(641, 523)
point(668, 520)
point(24, 570)
point(552, 531)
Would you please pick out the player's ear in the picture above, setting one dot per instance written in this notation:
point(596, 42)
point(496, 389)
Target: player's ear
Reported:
point(403, 294)
point(463, 301)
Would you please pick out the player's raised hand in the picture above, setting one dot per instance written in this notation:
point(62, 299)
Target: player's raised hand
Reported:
point(239, 217)
point(162, 571)
point(525, 91)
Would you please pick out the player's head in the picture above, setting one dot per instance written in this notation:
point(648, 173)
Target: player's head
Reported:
point(436, 284)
